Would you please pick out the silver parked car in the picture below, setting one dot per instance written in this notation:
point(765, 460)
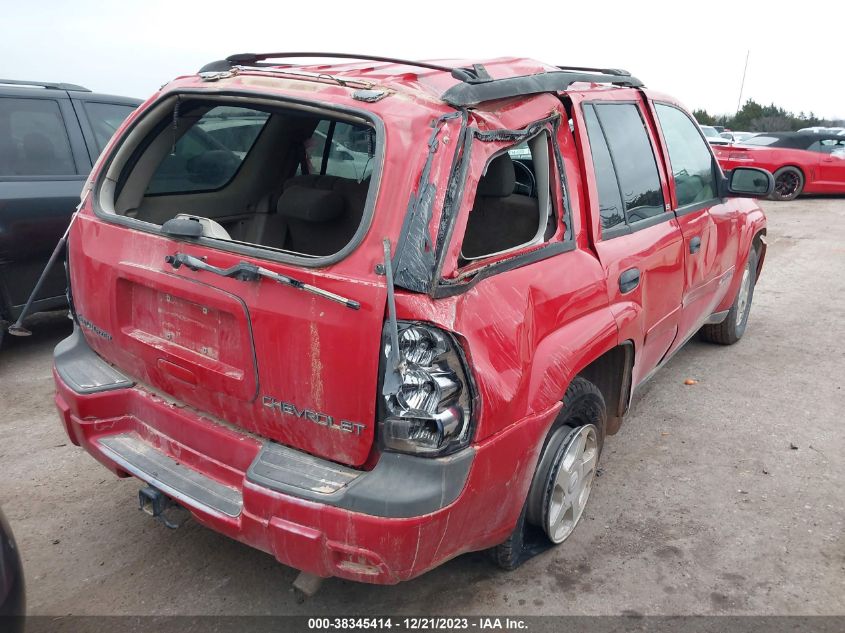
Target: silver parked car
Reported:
point(712, 135)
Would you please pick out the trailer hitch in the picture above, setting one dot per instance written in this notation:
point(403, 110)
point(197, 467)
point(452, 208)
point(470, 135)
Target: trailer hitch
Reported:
point(159, 506)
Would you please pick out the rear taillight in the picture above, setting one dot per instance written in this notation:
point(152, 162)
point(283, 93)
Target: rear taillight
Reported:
point(428, 405)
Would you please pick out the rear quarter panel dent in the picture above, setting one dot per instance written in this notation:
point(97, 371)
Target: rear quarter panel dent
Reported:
point(526, 333)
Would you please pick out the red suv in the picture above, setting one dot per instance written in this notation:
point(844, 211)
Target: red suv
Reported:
point(368, 316)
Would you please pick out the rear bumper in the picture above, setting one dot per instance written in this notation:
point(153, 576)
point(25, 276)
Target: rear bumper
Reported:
point(389, 524)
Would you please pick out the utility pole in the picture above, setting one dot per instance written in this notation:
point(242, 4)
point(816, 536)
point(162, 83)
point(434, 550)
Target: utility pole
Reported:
point(742, 85)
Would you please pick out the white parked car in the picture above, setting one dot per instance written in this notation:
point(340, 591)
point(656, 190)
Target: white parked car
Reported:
point(817, 129)
point(712, 135)
point(738, 137)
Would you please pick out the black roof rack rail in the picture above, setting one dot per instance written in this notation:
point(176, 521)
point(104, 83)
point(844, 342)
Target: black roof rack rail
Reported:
point(256, 59)
point(476, 84)
point(604, 71)
point(43, 84)
point(472, 93)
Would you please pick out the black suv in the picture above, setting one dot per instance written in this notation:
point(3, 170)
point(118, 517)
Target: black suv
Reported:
point(50, 136)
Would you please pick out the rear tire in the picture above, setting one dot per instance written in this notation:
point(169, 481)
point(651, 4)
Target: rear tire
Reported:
point(565, 472)
point(789, 183)
point(733, 327)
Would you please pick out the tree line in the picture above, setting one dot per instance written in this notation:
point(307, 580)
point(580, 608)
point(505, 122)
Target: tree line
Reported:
point(754, 117)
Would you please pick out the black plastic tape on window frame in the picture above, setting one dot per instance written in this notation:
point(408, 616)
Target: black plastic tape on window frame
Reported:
point(564, 185)
point(454, 191)
point(414, 259)
point(456, 187)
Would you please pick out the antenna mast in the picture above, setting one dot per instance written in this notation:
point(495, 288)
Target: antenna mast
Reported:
point(742, 85)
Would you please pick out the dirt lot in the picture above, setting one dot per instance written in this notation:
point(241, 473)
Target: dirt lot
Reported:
point(721, 497)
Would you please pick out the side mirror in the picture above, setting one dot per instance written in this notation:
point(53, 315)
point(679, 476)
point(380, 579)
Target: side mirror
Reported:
point(749, 182)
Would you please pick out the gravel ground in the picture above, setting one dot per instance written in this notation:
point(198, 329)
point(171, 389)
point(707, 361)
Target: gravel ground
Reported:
point(722, 497)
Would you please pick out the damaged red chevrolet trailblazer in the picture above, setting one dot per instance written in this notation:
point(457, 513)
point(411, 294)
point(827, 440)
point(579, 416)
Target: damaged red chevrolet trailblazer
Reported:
point(367, 316)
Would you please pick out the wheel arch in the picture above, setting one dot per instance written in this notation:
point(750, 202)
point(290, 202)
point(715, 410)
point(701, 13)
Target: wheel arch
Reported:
point(564, 353)
point(794, 166)
point(612, 374)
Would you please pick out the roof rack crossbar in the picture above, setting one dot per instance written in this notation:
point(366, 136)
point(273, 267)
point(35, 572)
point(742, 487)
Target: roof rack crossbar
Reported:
point(469, 94)
point(44, 84)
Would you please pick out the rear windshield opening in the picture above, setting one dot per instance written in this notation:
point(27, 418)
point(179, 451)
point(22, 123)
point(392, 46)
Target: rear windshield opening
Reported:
point(286, 179)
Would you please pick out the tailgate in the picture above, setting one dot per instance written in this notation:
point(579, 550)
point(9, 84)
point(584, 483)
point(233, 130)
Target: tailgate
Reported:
point(274, 360)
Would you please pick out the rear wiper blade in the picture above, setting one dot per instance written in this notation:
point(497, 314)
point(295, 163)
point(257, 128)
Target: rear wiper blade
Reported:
point(245, 271)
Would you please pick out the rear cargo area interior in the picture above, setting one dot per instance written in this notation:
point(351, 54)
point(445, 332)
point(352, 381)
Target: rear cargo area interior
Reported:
point(287, 178)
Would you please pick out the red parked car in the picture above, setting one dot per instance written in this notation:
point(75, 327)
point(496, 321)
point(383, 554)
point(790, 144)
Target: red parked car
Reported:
point(393, 312)
point(802, 162)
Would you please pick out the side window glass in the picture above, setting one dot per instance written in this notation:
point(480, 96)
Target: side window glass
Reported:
point(209, 154)
point(827, 145)
point(513, 202)
point(610, 200)
point(33, 139)
point(235, 129)
point(692, 164)
point(633, 158)
point(341, 149)
point(105, 118)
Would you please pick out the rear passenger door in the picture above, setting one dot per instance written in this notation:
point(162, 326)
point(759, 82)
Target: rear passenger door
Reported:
point(692, 185)
point(42, 168)
point(639, 242)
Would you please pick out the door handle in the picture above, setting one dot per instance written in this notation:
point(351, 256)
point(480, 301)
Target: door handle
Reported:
point(694, 245)
point(629, 280)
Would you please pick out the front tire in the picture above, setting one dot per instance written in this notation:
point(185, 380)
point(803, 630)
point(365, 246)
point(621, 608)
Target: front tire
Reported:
point(789, 183)
point(733, 327)
point(563, 478)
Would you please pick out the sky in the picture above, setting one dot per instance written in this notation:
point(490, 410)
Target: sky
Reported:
point(694, 51)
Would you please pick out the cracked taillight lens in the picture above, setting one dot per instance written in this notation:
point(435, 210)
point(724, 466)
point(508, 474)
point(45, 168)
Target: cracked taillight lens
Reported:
point(430, 410)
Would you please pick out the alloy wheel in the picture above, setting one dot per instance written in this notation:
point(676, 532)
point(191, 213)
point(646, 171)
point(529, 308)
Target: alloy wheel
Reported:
point(573, 481)
point(787, 184)
point(744, 292)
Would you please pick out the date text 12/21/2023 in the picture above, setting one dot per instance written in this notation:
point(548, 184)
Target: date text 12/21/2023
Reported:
point(417, 623)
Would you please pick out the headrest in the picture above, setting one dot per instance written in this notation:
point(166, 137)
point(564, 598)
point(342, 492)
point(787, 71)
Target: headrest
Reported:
point(499, 179)
point(311, 205)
